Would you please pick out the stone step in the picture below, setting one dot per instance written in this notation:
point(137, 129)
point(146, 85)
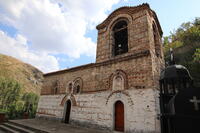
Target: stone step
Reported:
point(7, 129)
point(17, 128)
point(27, 127)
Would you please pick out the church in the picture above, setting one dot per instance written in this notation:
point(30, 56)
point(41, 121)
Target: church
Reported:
point(120, 91)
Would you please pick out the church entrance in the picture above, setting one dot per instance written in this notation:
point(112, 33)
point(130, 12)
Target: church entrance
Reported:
point(119, 116)
point(67, 111)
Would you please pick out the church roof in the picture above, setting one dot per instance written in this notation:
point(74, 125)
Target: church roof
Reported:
point(130, 10)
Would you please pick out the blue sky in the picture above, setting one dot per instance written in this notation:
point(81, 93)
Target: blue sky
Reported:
point(58, 34)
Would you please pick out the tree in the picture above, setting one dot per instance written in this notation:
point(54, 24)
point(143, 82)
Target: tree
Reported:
point(185, 42)
point(197, 55)
point(30, 103)
point(13, 102)
point(9, 92)
point(197, 21)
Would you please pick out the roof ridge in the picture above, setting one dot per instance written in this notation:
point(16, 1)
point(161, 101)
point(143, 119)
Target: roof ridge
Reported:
point(144, 5)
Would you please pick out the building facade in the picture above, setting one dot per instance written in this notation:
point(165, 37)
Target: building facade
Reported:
point(120, 90)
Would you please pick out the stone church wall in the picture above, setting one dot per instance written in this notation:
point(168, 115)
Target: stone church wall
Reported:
point(97, 109)
point(94, 105)
point(97, 77)
point(131, 77)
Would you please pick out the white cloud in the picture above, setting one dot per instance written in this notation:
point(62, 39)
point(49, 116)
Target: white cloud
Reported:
point(17, 47)
point(56, 26)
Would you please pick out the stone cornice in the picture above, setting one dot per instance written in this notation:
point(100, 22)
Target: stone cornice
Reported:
point(111, 61)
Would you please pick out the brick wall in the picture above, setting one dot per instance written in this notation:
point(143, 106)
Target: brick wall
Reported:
point(137, 36)
point(96, 77)
point(140, 66)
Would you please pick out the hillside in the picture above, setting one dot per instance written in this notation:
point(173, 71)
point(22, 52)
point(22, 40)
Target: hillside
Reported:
point(28, 76)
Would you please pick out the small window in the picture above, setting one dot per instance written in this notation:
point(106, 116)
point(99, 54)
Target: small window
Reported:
point(56, 90)
point(70, 88)
point(77, 88)
point(120, 38)
point(56, 87)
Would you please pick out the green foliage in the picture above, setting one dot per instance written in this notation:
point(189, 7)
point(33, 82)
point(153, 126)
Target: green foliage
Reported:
point(9, 92)
point(197, 21)
point(197, 55)
point(3, 111)
point(186, 34)
point(13, 102)
point(173, 45)
point(186, 44)
point(30, 103)
point(191, 35)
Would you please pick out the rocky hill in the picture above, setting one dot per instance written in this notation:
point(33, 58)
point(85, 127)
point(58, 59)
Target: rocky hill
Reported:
point(28, 76)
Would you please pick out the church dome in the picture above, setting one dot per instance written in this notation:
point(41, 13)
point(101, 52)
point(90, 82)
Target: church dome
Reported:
point(175, 72)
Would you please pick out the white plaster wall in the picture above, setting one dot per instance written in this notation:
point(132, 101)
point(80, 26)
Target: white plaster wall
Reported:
point(140, 108)
point(49, 105)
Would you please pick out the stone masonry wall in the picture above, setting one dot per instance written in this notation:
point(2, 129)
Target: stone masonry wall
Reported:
point(97, 78)
point(140, 68)
point(97, 109)
point(137, 36)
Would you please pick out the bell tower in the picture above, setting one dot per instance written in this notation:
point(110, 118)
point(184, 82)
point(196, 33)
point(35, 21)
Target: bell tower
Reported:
point(127, 31)
point(120, 38)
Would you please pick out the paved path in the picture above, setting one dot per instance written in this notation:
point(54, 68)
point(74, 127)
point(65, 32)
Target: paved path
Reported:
point(55, 127)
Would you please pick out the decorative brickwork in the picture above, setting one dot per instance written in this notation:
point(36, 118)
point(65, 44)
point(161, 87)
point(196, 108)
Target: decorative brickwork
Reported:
point(77, 85)
point(122, 75)
point(67, 97)
point(131, 77)
point(120, 92)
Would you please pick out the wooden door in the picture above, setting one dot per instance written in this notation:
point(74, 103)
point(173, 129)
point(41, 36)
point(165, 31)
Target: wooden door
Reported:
point(119, 116)
point(68, 110)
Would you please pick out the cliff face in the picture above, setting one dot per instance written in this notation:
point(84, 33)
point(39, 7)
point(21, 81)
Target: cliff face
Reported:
point(28, 76)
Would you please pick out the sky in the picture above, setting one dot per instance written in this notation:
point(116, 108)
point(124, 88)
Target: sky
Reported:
point(58, 34)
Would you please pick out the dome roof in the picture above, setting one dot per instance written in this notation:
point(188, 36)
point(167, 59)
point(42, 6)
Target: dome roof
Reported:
point(175, 72)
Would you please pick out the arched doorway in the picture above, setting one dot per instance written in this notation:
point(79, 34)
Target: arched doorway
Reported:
point(119, 116)
point(67, 111)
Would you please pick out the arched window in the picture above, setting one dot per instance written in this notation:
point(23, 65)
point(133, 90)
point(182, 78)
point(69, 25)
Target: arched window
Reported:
point(76, 89)
point(56, 87)
point(70, 88)
point(77, 86)
point(56, 90)
point(120, 34)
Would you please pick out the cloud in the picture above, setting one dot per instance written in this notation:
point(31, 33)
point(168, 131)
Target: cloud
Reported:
point(18, 47)
point(56, 26)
